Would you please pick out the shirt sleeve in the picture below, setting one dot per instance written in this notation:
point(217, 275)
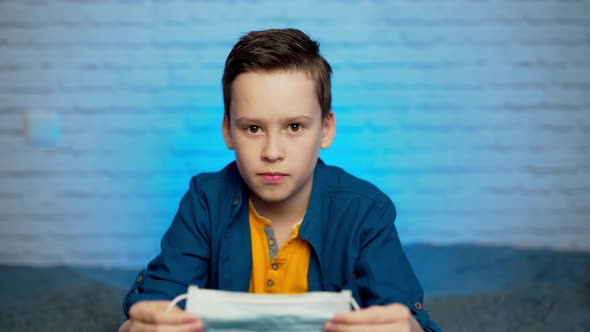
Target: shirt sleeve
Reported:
point(383, 272)
point(184, 255)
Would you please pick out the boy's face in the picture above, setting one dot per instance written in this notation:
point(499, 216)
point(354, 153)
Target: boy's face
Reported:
point(276, 130)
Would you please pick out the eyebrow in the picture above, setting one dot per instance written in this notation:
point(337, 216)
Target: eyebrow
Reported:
point(299, 118)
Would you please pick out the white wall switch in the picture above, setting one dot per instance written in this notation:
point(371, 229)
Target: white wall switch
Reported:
point(42, 127)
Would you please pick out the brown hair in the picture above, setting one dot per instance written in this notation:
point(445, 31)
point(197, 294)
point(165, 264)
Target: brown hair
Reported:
point(278, 49)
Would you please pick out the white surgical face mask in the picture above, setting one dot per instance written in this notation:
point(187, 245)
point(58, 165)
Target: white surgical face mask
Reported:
point(236, 311)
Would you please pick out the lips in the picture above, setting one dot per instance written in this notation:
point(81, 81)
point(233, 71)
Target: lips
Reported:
point(273, 177)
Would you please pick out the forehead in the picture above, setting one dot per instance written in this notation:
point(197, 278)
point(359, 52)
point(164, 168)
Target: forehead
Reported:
point(288, 93)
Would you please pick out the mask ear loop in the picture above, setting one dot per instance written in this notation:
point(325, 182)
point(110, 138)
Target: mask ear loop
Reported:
point(354, 304)
point(183, 297)
point(174, 302)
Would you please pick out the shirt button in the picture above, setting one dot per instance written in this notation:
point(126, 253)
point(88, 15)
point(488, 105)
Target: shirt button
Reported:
point(271, 242)
point(275, 266)
point(235, 202)
point(418, 305)
point(269, 283)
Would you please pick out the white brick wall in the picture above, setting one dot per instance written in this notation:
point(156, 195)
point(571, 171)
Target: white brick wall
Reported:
point(473, 115)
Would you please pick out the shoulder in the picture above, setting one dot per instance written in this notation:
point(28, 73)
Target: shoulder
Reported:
point(212, 195)
point(361, 208)
point(342, 185)
point(223, 183)
point(228, 174)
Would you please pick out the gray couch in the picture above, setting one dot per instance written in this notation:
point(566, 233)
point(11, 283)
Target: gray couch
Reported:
point(468, 288)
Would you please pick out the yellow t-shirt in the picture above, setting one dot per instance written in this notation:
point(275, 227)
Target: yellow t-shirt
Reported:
point(274, 270)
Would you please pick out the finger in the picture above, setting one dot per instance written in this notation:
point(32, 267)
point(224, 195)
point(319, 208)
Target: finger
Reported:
point(374, 315)
point(387, 327)
point(137, 326)
point(154, 312)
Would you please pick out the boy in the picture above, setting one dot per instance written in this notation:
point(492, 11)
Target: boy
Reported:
point(278, 220)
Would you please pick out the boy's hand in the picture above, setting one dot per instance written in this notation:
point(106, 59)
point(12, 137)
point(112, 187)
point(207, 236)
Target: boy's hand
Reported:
point(391, 318)
point(152, 316)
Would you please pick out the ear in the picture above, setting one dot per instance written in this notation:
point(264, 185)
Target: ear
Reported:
point(328, 130)
point(226, 129)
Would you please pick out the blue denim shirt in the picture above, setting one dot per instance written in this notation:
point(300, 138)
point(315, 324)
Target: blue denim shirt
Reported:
point(349, 224)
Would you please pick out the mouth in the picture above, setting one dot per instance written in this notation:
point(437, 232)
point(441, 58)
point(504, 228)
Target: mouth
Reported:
point(273, 177)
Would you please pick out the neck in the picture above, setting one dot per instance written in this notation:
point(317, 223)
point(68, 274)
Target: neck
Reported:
point(290, 210)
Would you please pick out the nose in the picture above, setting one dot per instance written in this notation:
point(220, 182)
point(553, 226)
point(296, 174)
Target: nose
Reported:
point(272, 150)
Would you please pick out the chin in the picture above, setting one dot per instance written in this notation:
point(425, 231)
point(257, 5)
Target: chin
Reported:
point(274, 197)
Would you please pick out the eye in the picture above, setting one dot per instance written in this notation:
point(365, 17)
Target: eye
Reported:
point(253, 129)
point(295, 127)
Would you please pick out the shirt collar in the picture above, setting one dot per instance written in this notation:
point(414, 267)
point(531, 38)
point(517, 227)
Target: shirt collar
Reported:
point(311, 226)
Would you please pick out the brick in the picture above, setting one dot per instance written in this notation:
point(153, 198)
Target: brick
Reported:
point(471, 116)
